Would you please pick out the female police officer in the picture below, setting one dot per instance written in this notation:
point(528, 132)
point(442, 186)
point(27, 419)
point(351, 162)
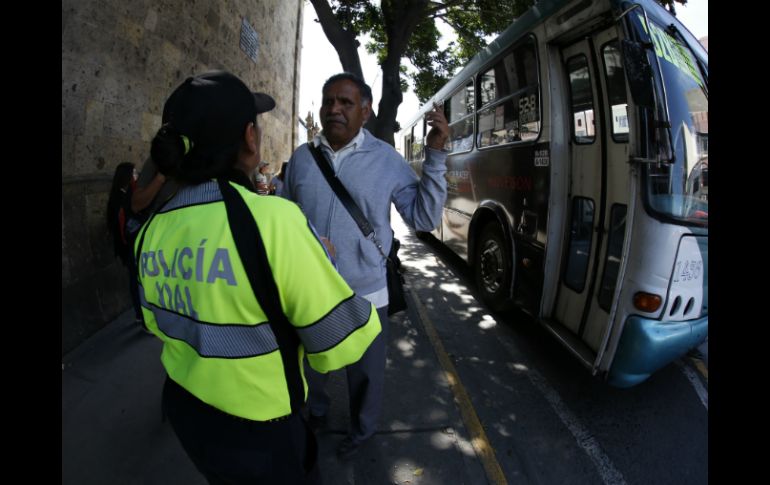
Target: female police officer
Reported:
point(239, 289)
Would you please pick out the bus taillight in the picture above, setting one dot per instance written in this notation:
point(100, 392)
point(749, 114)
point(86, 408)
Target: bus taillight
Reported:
point(647, 302)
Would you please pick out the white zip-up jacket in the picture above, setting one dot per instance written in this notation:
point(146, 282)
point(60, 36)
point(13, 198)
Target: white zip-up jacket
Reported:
point(375, 175)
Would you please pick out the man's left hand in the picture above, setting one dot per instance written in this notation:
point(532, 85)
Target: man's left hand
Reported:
point(439, 132)
point(329, 247)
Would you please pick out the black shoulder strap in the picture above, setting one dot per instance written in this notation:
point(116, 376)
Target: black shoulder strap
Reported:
point(342, 193)
point(251, 250)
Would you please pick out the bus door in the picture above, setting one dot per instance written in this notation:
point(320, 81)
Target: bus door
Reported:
point(598, 187)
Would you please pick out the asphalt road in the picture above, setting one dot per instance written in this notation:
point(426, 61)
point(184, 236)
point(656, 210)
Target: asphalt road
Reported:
point(546, 417)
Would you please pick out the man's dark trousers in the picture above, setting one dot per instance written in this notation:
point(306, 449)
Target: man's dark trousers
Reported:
point(365, 386)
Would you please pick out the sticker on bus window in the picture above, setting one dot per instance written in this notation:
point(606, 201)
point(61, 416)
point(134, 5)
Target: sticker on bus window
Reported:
point(542, 155)
point(672, 51)
point(528, 111)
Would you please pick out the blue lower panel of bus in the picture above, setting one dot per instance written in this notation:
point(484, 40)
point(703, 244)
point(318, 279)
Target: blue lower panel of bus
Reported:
point(647, 345)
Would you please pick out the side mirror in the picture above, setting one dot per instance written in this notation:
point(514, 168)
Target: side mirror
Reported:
point(639, 73)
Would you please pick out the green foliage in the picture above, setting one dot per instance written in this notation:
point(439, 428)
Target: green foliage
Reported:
point(431, 66)
point(357, 16)
point(411, 28)
point(472, 20)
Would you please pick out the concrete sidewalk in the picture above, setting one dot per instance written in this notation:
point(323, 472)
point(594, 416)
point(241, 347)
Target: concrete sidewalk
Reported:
point(112, 430)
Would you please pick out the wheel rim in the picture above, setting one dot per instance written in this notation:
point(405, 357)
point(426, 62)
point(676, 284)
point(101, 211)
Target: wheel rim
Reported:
point(491, 266)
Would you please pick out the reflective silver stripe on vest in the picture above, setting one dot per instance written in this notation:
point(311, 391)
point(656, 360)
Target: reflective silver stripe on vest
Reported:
point(230, 341)
point(194, 195)
point(332, 329)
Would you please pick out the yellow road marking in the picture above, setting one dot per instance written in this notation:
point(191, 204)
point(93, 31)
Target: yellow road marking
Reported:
point(479, 439)
point(701, 368)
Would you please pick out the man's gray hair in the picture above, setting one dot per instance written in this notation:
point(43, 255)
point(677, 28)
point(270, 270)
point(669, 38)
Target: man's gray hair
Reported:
point(363, 88)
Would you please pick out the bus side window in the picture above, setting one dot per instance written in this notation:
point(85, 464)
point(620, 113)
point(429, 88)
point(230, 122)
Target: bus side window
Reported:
point(509, 97)
point(616, 90)
point(459, 111)
point(408, 147)
point(582, 100)
point(579, 250)
point(418, 140)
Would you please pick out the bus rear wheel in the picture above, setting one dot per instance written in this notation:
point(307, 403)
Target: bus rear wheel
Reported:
point(492, 268)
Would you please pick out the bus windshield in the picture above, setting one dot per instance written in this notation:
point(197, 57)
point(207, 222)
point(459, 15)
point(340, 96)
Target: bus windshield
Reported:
point(680, 190)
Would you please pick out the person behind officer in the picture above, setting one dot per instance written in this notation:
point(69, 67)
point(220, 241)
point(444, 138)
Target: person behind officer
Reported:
point(375, 175)
point(234, 383)
point(262, 179)
point(118, 215)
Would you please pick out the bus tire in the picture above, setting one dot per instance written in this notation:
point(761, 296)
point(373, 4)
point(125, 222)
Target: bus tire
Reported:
point(492, 268)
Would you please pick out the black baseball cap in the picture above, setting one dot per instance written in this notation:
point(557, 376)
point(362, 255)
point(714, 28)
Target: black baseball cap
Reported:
point(213, 109)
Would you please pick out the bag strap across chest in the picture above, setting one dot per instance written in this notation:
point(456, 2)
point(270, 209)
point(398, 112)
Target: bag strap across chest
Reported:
point(347, 201)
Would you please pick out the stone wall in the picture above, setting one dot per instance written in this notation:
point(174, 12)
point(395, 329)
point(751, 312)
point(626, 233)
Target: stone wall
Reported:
point(120, 60)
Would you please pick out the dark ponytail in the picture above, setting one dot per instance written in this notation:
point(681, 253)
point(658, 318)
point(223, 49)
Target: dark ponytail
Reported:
point(120, 199)
point(181, 160)
point(167, 151)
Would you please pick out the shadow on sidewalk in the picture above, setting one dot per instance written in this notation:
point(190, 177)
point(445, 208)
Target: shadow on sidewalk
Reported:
point(112, 431)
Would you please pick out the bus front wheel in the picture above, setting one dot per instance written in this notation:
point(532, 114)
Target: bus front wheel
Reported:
point(492, 268)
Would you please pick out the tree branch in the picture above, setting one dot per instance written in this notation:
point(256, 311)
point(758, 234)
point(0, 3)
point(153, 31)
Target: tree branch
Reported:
point(462, 32)
point(343, 41)
point(437, 7)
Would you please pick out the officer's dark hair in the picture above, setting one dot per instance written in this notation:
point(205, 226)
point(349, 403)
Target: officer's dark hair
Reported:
point(363, 88)
point(124, 172)
point(119, 198)
point(204, 123)
point(168, 152)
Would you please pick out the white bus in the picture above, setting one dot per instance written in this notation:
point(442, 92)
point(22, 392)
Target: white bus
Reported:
point(578, 179)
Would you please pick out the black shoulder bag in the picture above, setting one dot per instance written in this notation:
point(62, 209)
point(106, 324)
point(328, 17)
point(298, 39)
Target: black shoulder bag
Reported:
point(396, 295)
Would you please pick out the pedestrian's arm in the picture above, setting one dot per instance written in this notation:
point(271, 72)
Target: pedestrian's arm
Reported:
point(420, 202)
point(334, 324)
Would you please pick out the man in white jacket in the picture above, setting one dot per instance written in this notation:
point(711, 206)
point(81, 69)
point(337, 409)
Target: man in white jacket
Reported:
point(375, 175)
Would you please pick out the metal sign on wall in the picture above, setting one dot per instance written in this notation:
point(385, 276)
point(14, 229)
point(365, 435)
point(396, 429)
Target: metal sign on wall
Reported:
point(249, 40)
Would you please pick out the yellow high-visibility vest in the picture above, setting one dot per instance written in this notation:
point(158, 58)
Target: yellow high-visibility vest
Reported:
point(218, 342)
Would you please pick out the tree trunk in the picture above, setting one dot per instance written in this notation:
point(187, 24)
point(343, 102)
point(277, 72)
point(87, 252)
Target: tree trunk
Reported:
point(389, 102)
point(343, 41)
point(401, 18)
